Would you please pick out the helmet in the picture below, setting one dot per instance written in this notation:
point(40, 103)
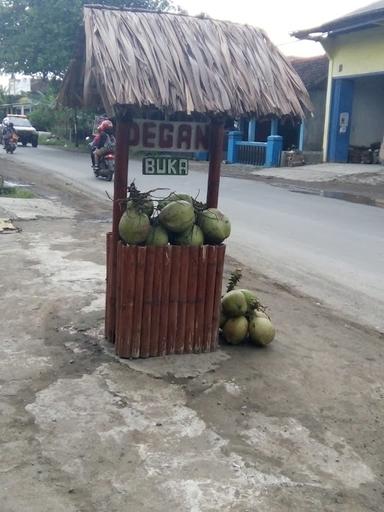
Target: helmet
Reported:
point(6, 121)
point(105, 126)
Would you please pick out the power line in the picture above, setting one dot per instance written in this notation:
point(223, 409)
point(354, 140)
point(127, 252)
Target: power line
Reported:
point(294, 42)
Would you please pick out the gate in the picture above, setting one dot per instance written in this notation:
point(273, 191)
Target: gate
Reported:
point(253, 153)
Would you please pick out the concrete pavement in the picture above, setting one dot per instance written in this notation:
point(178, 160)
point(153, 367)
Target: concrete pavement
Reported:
point(325, 172)
point(294, 427)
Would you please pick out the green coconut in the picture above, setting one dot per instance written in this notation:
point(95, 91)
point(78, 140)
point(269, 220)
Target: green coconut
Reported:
point(174, 197)
point(234, 304)
point(193, 236)
point(259, 314)
point(157, 236)
point(134, 226)
point(250, 297)
point(178, 216)
point(223, 319)
point(235, 330)
point(215, 225)
point(146, 207)
point(261, 330)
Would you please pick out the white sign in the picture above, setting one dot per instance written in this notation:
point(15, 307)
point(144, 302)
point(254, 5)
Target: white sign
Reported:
point(165, 165)
point(168, 136)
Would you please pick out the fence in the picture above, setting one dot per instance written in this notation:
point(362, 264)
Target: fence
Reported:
point(260, 154)
point(253, 153)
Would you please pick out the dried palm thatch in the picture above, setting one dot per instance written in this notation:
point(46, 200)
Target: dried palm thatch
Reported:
point(179, 63)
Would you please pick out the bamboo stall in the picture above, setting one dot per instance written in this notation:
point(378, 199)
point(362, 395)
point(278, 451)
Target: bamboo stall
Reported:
point(141, 64)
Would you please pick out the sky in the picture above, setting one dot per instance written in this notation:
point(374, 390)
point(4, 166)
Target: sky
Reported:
point(278, 17)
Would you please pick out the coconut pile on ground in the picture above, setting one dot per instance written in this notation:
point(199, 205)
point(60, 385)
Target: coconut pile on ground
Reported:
point(177, 219)
point(243, 316)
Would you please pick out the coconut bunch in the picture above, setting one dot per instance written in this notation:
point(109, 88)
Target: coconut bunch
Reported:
point(177, 219)
point(244, 317)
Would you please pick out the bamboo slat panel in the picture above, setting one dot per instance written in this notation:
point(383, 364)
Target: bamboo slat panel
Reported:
point(193, 273)
point(168, 300)
point(173, 299)
point(182, 300)
point(109, 328)
point(217, 299)
point(164, 300)
point(126, 300)
point(156, 303)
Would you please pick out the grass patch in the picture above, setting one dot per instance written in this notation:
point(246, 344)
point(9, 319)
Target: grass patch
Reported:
point(50, 141)
point(45, 140)
point(16, 192)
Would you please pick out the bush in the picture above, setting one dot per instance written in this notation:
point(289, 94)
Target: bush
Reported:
point(43, 118)
point(48, 117)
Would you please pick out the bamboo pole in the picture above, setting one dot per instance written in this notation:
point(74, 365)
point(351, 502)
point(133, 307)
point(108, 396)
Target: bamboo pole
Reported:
point(215, 158)
point(120, 193)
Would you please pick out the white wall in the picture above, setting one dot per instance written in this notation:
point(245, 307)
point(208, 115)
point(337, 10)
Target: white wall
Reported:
point(19, 85)
point(367, 125)
point(314, 126)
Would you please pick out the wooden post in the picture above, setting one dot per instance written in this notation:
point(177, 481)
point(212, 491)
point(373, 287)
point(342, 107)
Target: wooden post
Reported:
point(252, 130)
point(274, 126)
point(120, 192)
point(301, 135)
point(215, 158)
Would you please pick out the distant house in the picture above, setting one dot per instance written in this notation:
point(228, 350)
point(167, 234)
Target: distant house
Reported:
point(314, 73)
point(306, 136)
point(18, 85)
point(354, 115)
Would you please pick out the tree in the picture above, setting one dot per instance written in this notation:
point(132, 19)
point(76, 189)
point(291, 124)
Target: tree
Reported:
point(38, 36)
point(3, 101)
point(2, 95)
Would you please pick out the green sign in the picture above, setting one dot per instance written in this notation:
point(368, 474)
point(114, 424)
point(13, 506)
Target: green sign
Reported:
point(166, 165)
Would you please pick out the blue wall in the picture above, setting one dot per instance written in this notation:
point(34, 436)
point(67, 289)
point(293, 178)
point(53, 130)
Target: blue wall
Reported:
point(342, 100)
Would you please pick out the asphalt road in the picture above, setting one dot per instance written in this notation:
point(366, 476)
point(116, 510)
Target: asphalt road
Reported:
point(331, 250)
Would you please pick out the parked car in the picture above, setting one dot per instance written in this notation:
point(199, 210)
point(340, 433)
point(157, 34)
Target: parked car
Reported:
point(25, 131)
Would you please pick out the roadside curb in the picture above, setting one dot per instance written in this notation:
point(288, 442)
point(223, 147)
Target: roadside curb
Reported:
point(336, 194)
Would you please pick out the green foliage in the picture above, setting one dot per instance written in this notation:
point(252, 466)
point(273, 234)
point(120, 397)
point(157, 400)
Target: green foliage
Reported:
point(16, 192)
point(3, 100)
point(47, 116)
point(2, 95)
point(234, 279)
point(85, 120)
point(43, 117)
point(39, 36)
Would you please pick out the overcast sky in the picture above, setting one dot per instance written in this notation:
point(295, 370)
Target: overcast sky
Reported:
point(277, 17)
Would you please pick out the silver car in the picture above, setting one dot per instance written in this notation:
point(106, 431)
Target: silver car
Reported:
point(25, 131)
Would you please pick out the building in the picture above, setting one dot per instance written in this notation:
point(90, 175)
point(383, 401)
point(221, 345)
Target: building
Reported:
point(354, 114)
point(305, 135)
point(313, 71)
point(18, 85)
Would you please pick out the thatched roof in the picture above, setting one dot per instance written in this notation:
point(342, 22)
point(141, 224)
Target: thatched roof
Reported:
point(312, 70)
point(179, 63)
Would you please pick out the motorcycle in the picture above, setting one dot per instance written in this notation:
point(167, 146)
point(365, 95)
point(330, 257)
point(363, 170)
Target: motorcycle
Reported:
point(10, 143)
point(106, 167)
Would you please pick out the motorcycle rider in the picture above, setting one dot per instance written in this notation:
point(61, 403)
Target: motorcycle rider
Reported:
point(9, 132)
point(93, 145)
point(103, 143)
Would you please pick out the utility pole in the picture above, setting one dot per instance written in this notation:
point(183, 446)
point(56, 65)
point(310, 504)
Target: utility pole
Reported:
point(75, 129)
